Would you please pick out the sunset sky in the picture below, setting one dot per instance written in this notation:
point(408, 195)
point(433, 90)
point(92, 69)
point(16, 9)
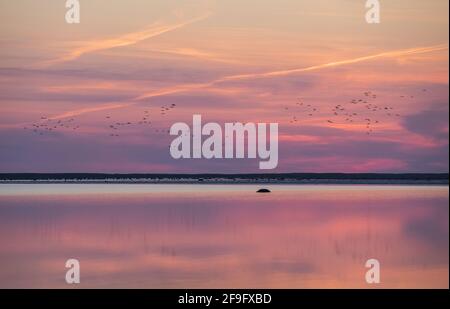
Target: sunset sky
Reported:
point(313, 66)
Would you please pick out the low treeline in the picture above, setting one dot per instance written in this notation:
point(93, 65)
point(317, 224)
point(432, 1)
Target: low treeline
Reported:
point(269, 176)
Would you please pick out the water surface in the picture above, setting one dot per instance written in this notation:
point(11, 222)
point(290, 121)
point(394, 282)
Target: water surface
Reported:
point(225, 236)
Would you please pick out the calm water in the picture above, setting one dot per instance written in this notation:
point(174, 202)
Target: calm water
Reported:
point(188, 236)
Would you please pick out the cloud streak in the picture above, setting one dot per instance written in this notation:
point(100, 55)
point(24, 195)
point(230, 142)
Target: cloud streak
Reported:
point(91, 110)
point(199, 86)
point(125, 40)
point(390, 54)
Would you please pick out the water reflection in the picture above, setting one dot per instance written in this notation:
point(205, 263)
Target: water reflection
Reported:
point(180, 236)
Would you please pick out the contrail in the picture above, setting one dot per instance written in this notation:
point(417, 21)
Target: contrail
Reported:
point(78, 112)
point(172, 90)
point(390, 54)
point(125, 40)
point(191, 87)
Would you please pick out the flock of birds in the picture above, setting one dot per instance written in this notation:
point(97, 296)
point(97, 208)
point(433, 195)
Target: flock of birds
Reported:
point(363, 110)
point(47, 125)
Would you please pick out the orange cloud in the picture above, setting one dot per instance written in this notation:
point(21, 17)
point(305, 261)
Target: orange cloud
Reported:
point(125, 40)
point(391, 54)
point(81, 111)
point(193, 87)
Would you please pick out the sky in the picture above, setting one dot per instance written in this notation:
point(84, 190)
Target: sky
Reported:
point(100, 96)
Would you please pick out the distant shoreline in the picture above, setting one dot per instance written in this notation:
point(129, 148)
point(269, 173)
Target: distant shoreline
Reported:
point(286, 178)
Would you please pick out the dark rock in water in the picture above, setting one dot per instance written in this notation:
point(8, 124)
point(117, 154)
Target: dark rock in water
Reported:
point(263, 191)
